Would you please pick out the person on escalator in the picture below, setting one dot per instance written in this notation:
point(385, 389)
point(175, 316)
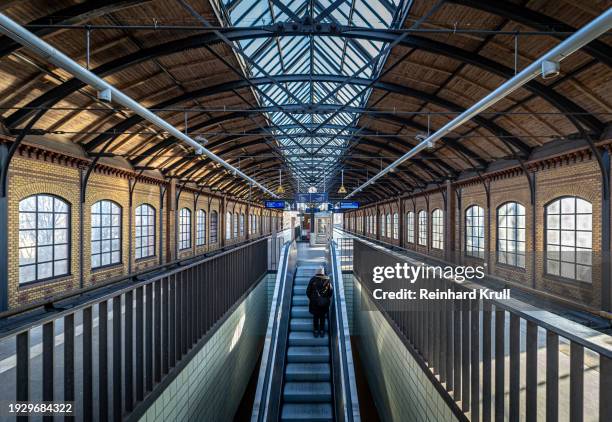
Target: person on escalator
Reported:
point(319, 292)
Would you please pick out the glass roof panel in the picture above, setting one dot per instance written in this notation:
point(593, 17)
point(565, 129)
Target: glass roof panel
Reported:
point(315, 132)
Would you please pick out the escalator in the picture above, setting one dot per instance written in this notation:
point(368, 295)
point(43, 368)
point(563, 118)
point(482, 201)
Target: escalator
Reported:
point(307, 392)
point(302, 377)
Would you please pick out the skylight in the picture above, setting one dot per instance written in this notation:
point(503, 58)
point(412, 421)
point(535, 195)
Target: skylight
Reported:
point(312, 133)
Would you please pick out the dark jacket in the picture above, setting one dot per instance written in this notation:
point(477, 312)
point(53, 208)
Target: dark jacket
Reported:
point(319, 285)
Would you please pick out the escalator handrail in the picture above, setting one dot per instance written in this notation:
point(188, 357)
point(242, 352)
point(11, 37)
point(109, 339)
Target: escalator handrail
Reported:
point(274, 345)
point(346, 370)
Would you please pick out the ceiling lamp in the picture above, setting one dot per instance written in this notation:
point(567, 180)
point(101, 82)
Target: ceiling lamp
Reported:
point(279, 189)
point(342, 189)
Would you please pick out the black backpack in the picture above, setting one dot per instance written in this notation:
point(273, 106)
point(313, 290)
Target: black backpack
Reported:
point(321, 301)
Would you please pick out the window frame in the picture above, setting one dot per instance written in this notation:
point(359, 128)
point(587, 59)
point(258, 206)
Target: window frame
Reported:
point(437, 229)
point(410, 233)
point(201, 228)
point(111, 264)
point(136, 258)
point(423, 228)
point(395, 226)
point(228, 225)
point(68, 243)
point(470, 253)
point(181, 226)
point(560, 230)
point(213, 228)
point(516, 230)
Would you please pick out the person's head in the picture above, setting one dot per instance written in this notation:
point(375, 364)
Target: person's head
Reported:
point(320, 271)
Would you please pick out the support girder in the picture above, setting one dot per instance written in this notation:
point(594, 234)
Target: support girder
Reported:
point(488, 124)
point(236, 34)
point(77, 13)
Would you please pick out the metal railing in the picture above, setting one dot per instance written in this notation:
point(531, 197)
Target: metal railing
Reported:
point(268, 396)
point(139, 337)
point(461, 344)
point(346, 400)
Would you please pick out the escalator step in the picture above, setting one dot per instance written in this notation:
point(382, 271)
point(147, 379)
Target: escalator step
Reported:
point(310, 354)
point(307, 412)
point(307, 392)
point(307, 372)
point(302, 324)
point(305, 338)
point(300, 312)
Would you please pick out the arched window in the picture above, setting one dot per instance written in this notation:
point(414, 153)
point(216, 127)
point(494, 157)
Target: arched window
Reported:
point(410, 226)
point(388, 226)
point(395, 226)
point(145, 231)
point(228, 226)
point(474, 231)
point(105, 234)
point(511, 234)
point(375, 224)
point(214, 222)
point(437, 229)
point(423, 228)
point(201, 228)
point(44, 238)
point(185, 229)
point(241, 225)
point(569, 238)
point(235, 225)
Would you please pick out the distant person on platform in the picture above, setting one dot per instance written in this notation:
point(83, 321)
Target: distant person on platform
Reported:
point(319, 292)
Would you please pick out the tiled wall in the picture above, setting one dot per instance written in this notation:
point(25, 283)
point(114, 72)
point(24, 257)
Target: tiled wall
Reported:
point(211, 386)
point(401, 390)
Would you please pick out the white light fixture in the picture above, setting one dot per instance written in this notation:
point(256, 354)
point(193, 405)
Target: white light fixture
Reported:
point(105, 95)
point(550, 69)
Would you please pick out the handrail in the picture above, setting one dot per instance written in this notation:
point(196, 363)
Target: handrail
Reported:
point(273, 355)
point(581, 334)
point(462, 345)
point(116, 281)
point(173, 268)
point(348, 403)
point(170, 316)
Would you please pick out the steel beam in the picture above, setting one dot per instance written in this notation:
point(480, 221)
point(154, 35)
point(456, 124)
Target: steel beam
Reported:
point(54, 95)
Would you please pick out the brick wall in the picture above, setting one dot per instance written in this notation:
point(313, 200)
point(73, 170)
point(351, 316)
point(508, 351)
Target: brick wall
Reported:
point(575, 175)
point(45, 173)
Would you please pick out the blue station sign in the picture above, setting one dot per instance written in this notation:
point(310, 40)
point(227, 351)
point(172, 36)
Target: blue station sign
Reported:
point(349, 205)
point(280, 205)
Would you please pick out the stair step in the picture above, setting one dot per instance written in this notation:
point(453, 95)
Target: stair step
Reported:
point(301, 281)
point(310, 354)
point(305, 338)
point(307, 372)
point(307, 412)
point(299, 290)
point(300, 312)
point(303, 324)
point(307, 392)
point(300, 300)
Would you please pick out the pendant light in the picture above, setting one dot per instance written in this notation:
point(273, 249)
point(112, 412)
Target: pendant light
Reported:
point(342, 189)
point(280, 189)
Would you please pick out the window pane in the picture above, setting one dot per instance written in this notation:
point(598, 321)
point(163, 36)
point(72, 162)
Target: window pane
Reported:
point(27, 274)
point(45, 203)
point(27, 256)
point(27, 220)
point(45, 270)
point(28, 204)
